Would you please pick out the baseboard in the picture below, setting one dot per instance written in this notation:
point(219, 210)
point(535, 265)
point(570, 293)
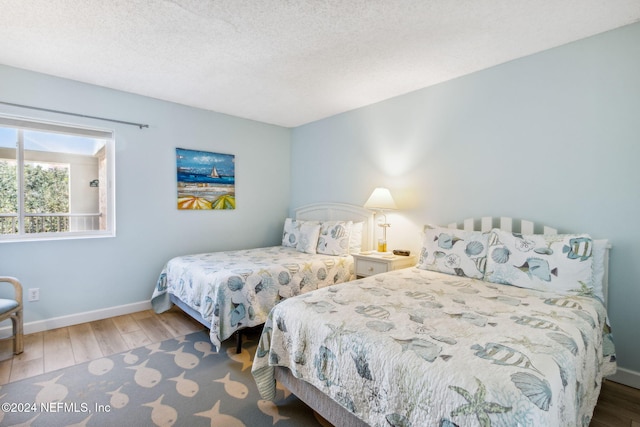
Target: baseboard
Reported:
point(87, 316)
point(626, 377)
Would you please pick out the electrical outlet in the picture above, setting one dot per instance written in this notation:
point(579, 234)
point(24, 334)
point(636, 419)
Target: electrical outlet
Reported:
point(34, 294)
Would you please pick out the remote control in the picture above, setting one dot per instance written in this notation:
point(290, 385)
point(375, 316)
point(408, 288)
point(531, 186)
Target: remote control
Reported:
point(402, 252)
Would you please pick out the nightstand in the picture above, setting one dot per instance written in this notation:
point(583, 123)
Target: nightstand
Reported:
point(375, 263)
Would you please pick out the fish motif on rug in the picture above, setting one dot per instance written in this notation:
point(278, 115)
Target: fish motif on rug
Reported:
point(180, 381)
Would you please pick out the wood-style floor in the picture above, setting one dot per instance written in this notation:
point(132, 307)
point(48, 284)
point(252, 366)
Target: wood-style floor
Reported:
point(59, 348)
point(618, 406)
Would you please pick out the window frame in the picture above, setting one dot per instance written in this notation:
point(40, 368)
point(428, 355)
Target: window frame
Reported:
point(40, 125)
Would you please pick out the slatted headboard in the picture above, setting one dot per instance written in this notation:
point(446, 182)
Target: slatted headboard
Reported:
point(504, 223)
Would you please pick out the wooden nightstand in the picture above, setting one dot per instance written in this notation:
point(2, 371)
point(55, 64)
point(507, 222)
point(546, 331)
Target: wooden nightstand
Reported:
point(374, 263)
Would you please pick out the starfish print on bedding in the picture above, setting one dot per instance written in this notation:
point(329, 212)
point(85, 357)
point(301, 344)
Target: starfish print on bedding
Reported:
point(337, 333)
point(477, 405)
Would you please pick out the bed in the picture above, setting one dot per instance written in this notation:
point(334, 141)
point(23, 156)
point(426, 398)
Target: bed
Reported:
point(499, 326)
point(228, 291)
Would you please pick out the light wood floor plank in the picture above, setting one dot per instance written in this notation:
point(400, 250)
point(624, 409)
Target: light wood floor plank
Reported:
point(178, 324)
point(136, 339)
point(108, 337)
point(84, 343)
point(6, 349)
point(126, 324)
point(155, 329)
point(5, 371)
point(57, 349)
point(33, 348)
point(142, 314)
point(27, 369)
point(31, 361)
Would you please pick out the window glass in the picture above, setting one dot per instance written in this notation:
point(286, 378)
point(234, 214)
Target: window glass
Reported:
point(8, 181)
point(55, 181)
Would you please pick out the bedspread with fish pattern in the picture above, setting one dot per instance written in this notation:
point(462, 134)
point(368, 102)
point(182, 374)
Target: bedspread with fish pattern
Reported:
point(420, 348)
point(236, 289)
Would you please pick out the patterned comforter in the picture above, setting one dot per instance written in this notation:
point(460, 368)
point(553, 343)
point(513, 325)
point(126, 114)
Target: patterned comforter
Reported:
point(419, 348)
point(237, 289)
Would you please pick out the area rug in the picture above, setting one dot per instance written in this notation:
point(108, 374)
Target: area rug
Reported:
point(181, 382)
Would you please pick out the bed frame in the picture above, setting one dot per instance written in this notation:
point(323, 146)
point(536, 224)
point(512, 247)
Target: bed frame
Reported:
point(337, 414)
point(318, 212)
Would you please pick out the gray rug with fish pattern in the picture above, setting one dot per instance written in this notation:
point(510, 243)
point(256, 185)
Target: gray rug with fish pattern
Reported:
point(180, 382)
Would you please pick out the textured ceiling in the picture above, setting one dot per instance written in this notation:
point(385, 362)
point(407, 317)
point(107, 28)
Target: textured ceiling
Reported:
point(287, 62)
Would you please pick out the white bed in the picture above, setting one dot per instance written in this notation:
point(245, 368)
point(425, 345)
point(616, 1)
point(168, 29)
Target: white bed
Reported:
point(442, 345)
point(228, 291)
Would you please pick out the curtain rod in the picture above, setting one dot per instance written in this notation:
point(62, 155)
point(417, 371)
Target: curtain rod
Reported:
point(140, 125)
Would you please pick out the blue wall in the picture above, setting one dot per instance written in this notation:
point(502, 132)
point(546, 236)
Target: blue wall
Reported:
point(553, 137)
point(76, 276)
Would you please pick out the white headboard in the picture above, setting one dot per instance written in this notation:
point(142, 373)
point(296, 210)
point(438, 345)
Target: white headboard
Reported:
point(486, 223)
point(340, 212)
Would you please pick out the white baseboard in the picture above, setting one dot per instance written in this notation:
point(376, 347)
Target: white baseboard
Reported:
point(626, 377)
point(87, 316)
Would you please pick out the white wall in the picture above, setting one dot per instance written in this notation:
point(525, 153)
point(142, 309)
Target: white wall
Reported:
point(76, 276)
point(552, 137)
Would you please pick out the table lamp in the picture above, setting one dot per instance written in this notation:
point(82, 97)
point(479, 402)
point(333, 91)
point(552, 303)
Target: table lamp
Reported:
point(380, 201)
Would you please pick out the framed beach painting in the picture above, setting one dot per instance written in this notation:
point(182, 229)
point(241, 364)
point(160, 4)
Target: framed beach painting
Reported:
point(205, 180)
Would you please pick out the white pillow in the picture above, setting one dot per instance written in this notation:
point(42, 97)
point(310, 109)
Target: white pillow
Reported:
point(561, 263)
point(453, 251)
point(308, 237)
point(355, 239)
point(599, 250)
point(291, 231)
point(334, 237)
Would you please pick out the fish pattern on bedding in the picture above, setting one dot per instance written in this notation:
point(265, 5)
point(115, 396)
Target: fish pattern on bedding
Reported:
point(420, 348)
point(236, 289)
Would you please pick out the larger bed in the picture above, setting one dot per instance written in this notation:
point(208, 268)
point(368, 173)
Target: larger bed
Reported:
point(231, 290)
point(495, 328)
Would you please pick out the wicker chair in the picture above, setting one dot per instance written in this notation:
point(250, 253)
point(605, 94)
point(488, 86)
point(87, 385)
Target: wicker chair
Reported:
point(12, 309)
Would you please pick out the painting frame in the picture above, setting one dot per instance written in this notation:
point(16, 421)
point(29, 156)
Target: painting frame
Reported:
point(205, 180)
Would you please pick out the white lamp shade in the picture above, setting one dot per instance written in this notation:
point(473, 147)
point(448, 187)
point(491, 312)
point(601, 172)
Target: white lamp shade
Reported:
point(380, 199)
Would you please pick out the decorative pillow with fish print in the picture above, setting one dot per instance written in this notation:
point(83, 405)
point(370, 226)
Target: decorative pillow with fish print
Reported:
point(334, 237)
point(452, 251)
point(561, 263)
point(291, 231)
point(308, 237)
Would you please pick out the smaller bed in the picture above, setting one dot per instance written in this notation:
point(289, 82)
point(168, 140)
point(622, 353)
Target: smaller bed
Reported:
point(231, 290)
point(496, 327)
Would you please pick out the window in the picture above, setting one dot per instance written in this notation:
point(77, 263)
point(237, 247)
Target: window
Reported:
point(56, 181)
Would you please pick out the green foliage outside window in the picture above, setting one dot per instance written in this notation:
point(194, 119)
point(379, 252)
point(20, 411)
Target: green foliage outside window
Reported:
point(46, 191)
